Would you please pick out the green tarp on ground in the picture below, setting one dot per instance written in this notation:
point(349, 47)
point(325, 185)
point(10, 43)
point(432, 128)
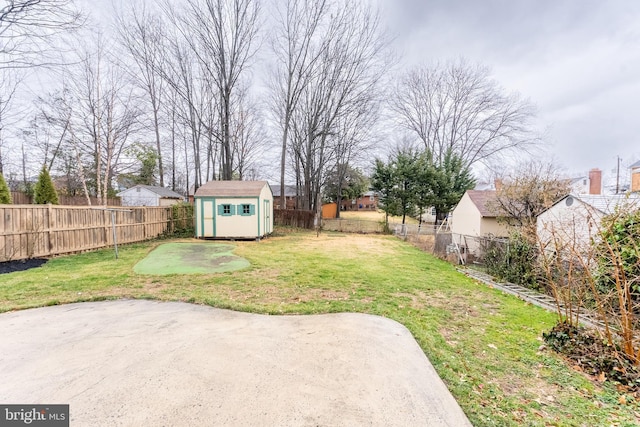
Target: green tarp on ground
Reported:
point(190, 258)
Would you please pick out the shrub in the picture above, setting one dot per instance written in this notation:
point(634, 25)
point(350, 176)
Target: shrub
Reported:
point(44, 191)
point(513, 260)
point(182, 219)
point(5, 194)
point(620, 246)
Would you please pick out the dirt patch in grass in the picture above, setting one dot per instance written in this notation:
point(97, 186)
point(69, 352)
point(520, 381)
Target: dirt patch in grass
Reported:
point(449, 336)
point(276, 295)
point(418, 299)
point(349, 245)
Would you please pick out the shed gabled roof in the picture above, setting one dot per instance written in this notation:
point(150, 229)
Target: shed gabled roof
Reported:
point(231, 188)
point(160, 191)
point(289, 191)
point(484, 199)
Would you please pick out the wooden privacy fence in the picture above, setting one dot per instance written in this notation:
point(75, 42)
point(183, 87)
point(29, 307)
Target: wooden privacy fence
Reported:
point(294, 218)
point(28, 231)
point(20, 198)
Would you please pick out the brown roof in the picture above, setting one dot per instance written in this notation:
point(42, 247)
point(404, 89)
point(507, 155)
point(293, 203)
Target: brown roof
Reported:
point(484, 199)
point(231, 188)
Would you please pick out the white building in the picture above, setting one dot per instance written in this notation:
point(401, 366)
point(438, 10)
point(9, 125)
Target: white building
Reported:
point(575, 219)
point(149, 195)
point(234, 209)
point(475, 217)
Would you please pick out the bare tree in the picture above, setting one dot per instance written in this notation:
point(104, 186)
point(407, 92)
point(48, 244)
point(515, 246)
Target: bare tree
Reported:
point(525, 193)
point(9, 83)
point(29, 30)
point(222, 36)
point(354, 136)
point(142, 37)
point(458, 106)
point(296, 29)
point(350, 66)
point(247, 136)
point(103, 112)
point(192, 106)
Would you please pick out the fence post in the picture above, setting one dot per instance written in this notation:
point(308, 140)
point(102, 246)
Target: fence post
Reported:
point(49, 228)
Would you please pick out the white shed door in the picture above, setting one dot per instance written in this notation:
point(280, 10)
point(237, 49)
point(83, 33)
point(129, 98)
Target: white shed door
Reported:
point(267, 218)
point(207, 218)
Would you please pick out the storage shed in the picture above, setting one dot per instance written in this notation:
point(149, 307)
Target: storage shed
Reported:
point(234, 209)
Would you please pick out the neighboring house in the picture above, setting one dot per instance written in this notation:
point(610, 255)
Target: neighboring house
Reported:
point(368, 201)
point(587, 184)
point(473, 218)
point(575, 219)
point(149, 195)
point(429, 215)
point(290, 196)
point(635, 176)
point(234, 209)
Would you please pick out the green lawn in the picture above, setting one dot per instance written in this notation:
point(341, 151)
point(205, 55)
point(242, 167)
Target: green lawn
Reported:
point(484, 344)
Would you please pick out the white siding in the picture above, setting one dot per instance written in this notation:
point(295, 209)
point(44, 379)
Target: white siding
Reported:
point(137, 196)
point(466, 218)
point(223, 216)
point(266, 210)
point(235, 224)
point(572, 223)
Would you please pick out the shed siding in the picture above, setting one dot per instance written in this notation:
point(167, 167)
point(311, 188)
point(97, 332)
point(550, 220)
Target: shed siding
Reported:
point(144, 197)
point(490, 225)
point(236, 224)
point(573, 224)
point(466, 218)
point(234, 216)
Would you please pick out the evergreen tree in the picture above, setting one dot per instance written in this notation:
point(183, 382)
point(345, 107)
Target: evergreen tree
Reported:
point(411, 182)
point(452, 178)
point(5, 194)
point(397, 182)
point(44, 191)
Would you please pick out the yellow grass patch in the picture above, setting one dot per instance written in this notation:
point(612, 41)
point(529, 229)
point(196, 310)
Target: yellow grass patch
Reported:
point(350, 245)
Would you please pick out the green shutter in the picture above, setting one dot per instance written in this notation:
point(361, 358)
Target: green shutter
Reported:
point(233, 209)
point(220, 209)
point(252, 209)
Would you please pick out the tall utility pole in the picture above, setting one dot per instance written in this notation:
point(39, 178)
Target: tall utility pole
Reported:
point(618, 176)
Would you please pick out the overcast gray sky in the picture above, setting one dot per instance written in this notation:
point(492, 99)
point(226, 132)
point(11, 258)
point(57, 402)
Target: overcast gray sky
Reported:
point(577, 60)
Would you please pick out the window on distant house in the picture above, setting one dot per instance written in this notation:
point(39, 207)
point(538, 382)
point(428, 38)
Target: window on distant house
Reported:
point(433, 211)
point(226, 209)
